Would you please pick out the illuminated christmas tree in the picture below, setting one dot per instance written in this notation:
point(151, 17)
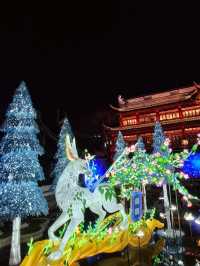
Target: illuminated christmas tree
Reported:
point(158, 137)
point(20, 169)
point(120, 145)
point(60, 157)
point(158, 144)
point(141, 148)
point(140, 144)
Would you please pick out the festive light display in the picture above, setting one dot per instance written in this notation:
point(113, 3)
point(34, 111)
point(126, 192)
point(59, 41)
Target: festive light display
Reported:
point(19, 165)
point(78, 198)
point(191, 166)
point(60, 158)
point(132, 170)
point(153, 168)
point(98, 168)
point(158, 137)
point(120, 145)
point(103, 237)
point(20, 170)
point(140, 144)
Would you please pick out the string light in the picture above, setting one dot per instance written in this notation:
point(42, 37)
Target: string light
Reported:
point(20, 169)
point(140, 234)
point(188, 216)
point(173, 208)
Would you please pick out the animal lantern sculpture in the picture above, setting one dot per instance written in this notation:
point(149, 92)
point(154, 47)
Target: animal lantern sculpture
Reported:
point(72, 199)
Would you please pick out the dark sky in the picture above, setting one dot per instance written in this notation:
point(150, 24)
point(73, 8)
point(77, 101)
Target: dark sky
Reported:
point(80, 56)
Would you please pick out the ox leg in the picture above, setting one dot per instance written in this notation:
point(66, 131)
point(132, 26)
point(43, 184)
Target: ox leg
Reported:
point(61, 220)
point(97, 209)
point(113, 206)
point(75, 221)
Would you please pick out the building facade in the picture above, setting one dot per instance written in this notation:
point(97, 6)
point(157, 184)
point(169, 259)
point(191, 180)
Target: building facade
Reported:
point(177, 110)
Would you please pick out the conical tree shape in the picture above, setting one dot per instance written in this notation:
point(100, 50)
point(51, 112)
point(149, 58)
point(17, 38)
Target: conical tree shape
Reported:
point(158, 141)
point(120, 146)
point(20, 170)
point(140, 144)
point(158, 137)
point(141, 147)
point(60, 156)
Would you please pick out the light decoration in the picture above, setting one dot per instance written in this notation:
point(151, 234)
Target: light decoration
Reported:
point(135, 167)
point(60, 158)
point(162, 215)
point(188, 216)
point(191, 166)
point(197, 221)
point(19, 165)
point(97, 168)
point(20, 169)
point(140, 234)
point(189, 204)
point(119, 146)
point(173, 208)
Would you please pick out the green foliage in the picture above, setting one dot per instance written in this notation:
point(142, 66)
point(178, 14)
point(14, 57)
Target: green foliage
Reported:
point(62, 230)
point(69, 211)
point(65, 263)
point(134, 227)
point(47, 248)
point(156, 260)
point(156, 168)
point(150, 214)
point(30, 246)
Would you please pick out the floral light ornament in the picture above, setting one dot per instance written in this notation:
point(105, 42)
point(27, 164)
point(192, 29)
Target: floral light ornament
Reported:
point(130, 149)
point(140, 234)
point(110, 231)
point(188, 216)
point(167, 142)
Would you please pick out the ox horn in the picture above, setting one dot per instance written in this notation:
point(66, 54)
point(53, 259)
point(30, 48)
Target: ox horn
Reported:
point(71, 152)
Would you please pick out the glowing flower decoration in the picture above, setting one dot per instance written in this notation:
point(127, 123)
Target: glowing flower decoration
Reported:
point(110, 230)
point(188, 216)
point(167, 142)
point(131, 149)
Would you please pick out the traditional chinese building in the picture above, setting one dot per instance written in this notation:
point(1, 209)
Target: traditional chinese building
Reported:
point(177, 110)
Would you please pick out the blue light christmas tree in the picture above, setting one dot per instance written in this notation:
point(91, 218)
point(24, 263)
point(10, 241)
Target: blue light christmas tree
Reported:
point(60, 156)
point(140, 144)
point(120, 146)
point(158, 137)
point(20, 169)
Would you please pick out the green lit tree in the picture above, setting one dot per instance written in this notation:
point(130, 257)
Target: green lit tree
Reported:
point(158, 142)
point(135, 166)
point(141, 148)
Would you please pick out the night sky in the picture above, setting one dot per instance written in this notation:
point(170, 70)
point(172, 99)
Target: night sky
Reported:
point(78, 57)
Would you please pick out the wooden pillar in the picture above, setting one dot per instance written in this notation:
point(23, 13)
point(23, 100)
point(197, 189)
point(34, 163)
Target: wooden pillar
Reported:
point(137, 118)
point(120, 120)
point(157, 116)
point(180, 112)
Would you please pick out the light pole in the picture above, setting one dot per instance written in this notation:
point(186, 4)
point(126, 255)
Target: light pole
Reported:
point(189, 217)
point(139, 234)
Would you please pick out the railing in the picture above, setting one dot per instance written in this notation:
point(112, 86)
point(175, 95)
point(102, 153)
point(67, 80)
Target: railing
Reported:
point(164, 122)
